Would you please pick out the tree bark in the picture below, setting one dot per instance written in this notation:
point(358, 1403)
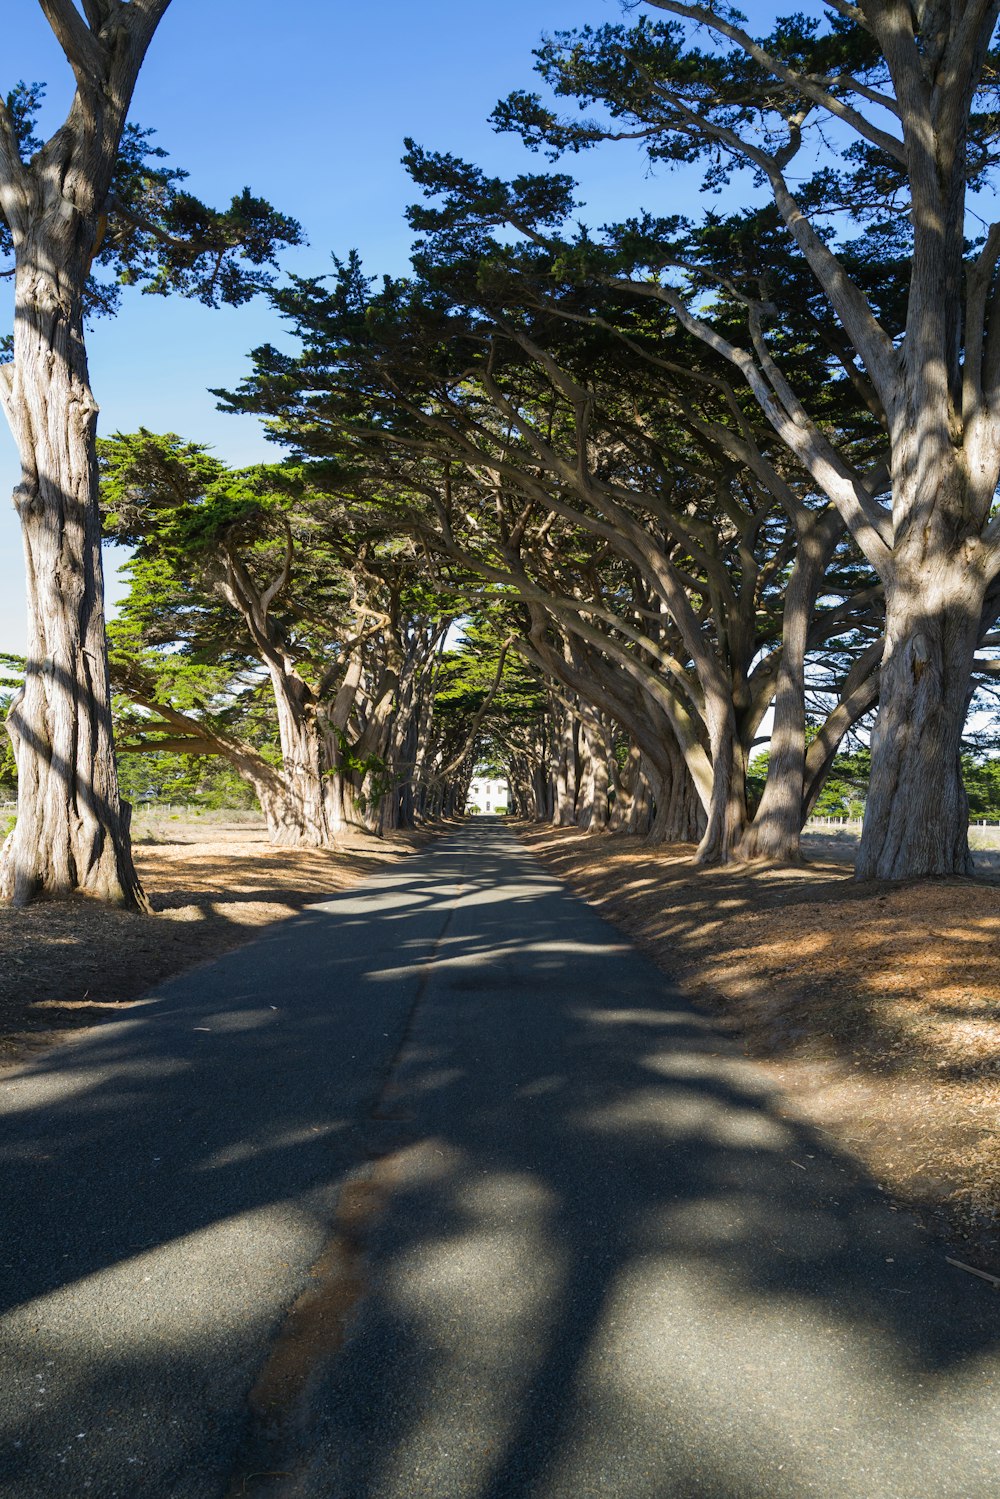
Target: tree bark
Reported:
point(592, 802)
point(564, 810)
point(305, 820)
point(72, 832)
point(678, 813)
point(917, 816)
point(727, 809)
point(774, 836)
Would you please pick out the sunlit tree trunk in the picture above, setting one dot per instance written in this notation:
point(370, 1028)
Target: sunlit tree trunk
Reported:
point(678, 813)
point(564, 810)
point(592, 802)
point(917, 814)
point(306, 814)
point(726, 813)
point(72, 832)
point(774, 835)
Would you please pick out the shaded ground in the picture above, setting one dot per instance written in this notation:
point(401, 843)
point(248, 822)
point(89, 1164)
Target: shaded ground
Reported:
point(596, 1259)
point(214, 883)
point(876, 1006)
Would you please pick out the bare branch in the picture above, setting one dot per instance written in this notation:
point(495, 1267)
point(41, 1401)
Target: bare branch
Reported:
point(867, 523)
point(95, 13)
point(270, 593)
point(85, 53)
point(850, 12)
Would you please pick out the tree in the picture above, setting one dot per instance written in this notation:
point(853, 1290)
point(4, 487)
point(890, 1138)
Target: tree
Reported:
point(92, 197)
point(188, 780)
point(257, 573)
point(905, 96)
point(11, 676)
point(595, 463)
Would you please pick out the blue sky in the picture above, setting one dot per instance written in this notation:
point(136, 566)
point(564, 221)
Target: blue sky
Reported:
point(308, 104)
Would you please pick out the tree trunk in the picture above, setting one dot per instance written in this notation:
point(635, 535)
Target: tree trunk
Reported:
point(564, 811)
point(727, 809)
point(306, 820)
point(72, 831)
point(282, 813)
point(342, 809)
point(630, 784)
point(774, 836)
point(678, 815)
point(917, 816)
point(592, 803)
point(541, 793)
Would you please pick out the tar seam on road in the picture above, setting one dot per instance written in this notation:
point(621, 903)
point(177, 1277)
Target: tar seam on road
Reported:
point(316, 1324)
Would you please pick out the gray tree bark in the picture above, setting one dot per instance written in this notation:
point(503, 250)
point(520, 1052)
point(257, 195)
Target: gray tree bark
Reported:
point(72, 832)
point(917, 814)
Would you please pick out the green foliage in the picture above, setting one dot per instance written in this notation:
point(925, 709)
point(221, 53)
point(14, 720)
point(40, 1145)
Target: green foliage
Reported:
point(158, 236)
point(192, 780)
point(846, 787)
point(371, 771)
point(982, 785)
point(205, 539)
point(11, 671)
point(8, 765)
point(757, 779)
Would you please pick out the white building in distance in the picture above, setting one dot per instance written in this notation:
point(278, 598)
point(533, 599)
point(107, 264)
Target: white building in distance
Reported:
point(487, 795)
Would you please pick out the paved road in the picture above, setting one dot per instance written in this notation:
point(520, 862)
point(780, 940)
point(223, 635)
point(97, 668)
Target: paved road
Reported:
point(550, 1235)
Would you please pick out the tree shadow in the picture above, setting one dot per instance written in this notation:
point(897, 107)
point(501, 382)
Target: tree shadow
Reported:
point(608, 1264)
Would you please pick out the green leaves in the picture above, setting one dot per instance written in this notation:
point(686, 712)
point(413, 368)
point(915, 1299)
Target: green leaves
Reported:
point(157, 236)
point(11, 669)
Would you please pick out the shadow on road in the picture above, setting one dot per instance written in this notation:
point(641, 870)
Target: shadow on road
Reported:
point(609, 1264)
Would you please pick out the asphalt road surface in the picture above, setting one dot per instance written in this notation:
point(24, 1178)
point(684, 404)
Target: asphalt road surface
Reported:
point(440, 1191)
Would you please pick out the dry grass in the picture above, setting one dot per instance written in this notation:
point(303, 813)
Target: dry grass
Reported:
point(877, 1006)
point(213, 886)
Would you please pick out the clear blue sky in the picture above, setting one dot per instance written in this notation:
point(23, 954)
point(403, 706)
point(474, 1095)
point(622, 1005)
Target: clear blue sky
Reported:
point(308, 104)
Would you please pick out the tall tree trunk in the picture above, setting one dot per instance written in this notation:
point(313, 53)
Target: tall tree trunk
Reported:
point(72, 831)
point(340, 795)
point(774, 836)
point(306, 814)
point(678, 814)
point(592, 803)
point(282, 812)
point(727, 809)
point(629, 785)
point(564, 811)
point(541, 793)
point(917, 815)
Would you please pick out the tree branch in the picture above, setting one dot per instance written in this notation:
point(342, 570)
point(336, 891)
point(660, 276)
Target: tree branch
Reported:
point(85, 53)
point(868, 525)
point(803, 83)
point(270, 593)
point(13, 173)
point(481, 713)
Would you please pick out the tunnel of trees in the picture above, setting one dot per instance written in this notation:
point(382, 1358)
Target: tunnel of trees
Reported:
point(687, 527)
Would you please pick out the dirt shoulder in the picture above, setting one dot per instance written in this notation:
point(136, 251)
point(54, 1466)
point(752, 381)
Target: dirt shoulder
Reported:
point(213, 886)
point(876, 1007)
